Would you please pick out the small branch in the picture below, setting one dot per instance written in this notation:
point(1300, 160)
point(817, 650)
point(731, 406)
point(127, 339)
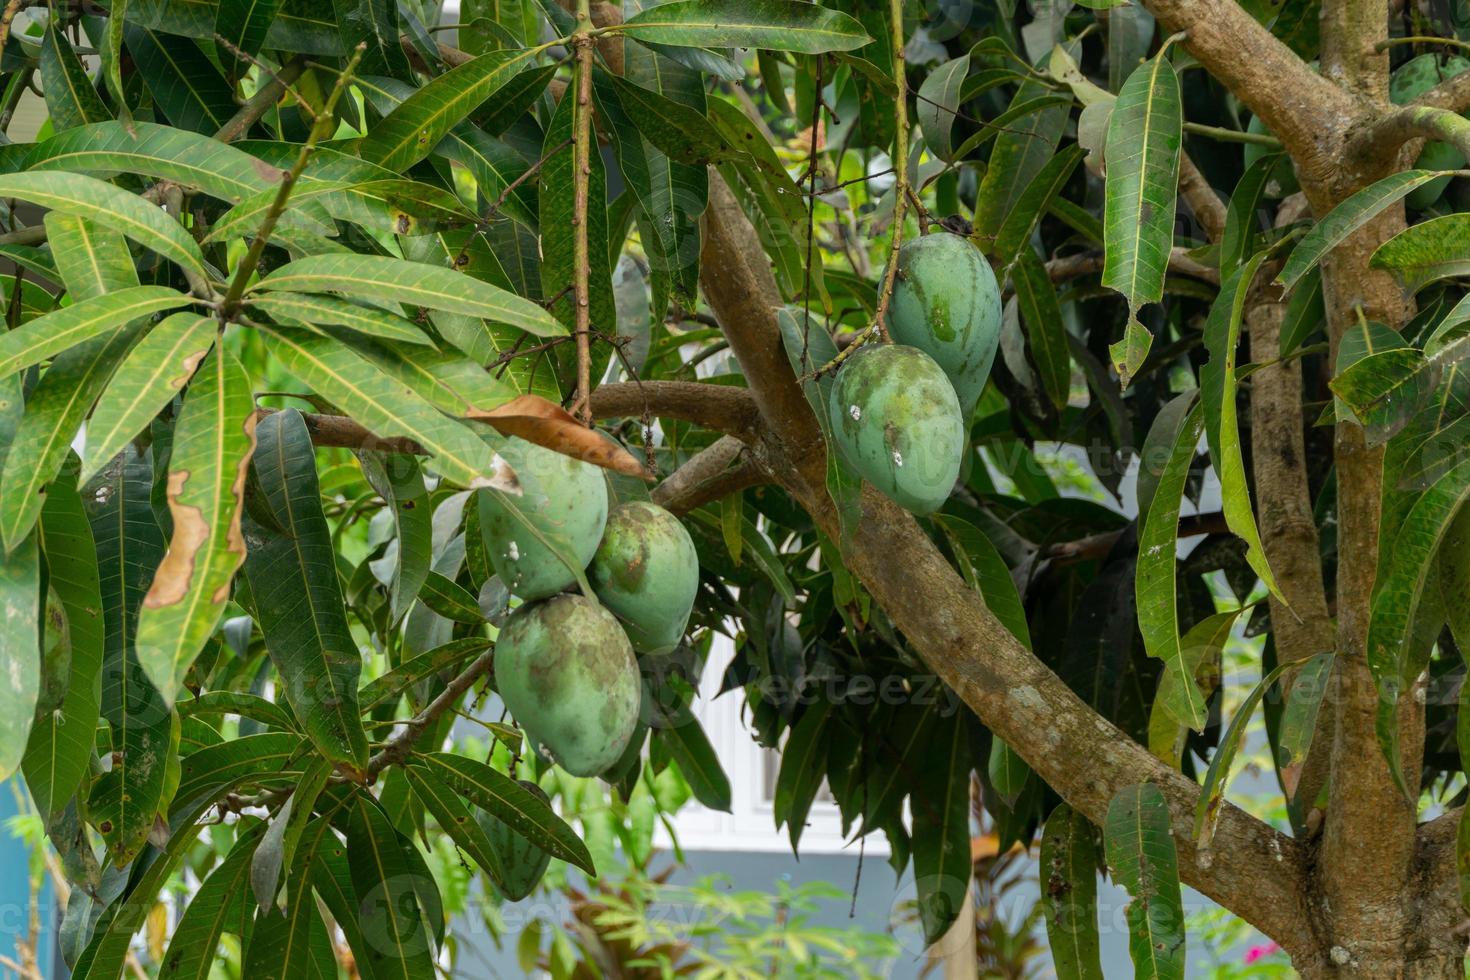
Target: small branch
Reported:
point(260, 103)
point(320, 130)
point(1090, 263)
point(398, 748)
point(1448, 42)
point(1208, 209)
point(900, 164)
point(1384, 135)
point(724, 467)
point(7, 17)
point(583, 44)
point(1452, 94)
point(1098, 545)
point(1232, 135)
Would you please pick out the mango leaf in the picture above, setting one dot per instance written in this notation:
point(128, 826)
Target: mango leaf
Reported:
point(455, 819)
point(1353, 213)
point(390, 206)
point(244, 24)
point(278, 846)
point(1145, 134)
point(504, 798)
point(71, 100)
point(1069, 893)
point(306, 309)
point(184, 83)
point(388, 904)
point(160, 152)
point(1155, 580)
point(354, 384)
point(20, 629)
point(46, 336)
point(410, 132)
point(392, 684)
point(1305, 313)
point(62, 740)
point(774, 25)
point(149, 377)
point(941, 834)
point(1014, 236)
point(1430, 250)
point(298, 599)
point(1201, 648)
point(415, 283)
point(1218, 385)
point(303, 28)
point(1046, 332)
point(125, 799)
point(1299, 719)
point(1399, 593)
point(454, 384)
point(405, 565)
point(689, 746)
point(1243, 214)
point(108, 206)
point(277, 757)
point(374, 24)
point(1212, 792)
point(939, 102)
point(1025, 145)
point(450, 600)
point(218, 907)
point(251, 706)
point(1141, 854)
point(803, 766)
point(213, 441)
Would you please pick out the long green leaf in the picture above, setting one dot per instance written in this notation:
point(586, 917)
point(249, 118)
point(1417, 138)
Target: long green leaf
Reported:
point(410, 132)
point(184, 83)
point(69, 326)
point(388, 907)
point(1218, 383)
point(415, 283)
point(1046, 332)
point(1069, 891)
point(1141, 854)
point(213, 440)
point(125, 799)
point(298, 599)
point(803, 766)
point(689, 746)
point(364, 392)
point(1145, 134)
point(774, 25)
point(1352, 214)
point(219, 906)
point(244, 23)
point(20, 651)
point(1416, 542)
point(1430, 250)
point(310, 309)
point(1155, 591)
point(393, 206)
point(71, 99)
point(506, 799)
point(145, 382)
point(62, 741)
point(1202, 645)
point(109, 206)
point(392, 684)
point(455, 819)
point(941, 834)
point(273, 756)
point(939, 103)
point(292, 941)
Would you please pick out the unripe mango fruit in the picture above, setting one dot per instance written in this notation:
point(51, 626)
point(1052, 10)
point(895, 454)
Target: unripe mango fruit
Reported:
point(946, 303)
point(566, 671)
point(1411, 80)
point(558, 520)
point(647, 572)
point(896, 419)
point(521, 863)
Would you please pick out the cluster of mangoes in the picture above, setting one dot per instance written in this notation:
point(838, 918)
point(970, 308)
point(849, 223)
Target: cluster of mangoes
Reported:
point(565, 663)
point(900, 412)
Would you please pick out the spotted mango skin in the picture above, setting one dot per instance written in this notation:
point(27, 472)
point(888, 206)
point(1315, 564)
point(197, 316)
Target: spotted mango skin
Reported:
point(565, 669)
point(564, 499)
point(896, 419)
point(647, 572)
point(946, 303)
point(1412, 79)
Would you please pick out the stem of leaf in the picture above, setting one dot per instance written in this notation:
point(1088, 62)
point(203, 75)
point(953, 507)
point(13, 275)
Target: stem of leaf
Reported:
point(319, 130)
point(582, 42)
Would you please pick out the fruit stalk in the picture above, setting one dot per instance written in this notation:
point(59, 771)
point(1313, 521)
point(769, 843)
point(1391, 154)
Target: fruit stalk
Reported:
point(900, 164)
point(582, 42)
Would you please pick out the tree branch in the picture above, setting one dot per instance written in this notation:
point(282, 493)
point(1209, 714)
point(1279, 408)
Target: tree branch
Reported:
point(1299, 105)
point(1251, 869)
point(1088, 263)
point(1206, 205)
point(1452, 94)
point(724, 467)
point(398, 748)
point(1381, 138)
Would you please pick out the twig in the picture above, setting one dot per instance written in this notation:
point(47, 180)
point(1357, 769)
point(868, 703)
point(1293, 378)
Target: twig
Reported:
point(583, 44)
point(6, 18)
point(900, 165)
point(8, 111)
point(265, 70)
point(811, 218)
point(504, 196)
point(1232, 135)
point(260, 103)
point(1387, 43)
point(319, 130)
point(397, 749)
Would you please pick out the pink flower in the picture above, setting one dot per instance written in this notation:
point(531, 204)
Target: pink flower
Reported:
point(1260, 952)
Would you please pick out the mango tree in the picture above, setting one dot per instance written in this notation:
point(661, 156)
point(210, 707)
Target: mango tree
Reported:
point(365, 358)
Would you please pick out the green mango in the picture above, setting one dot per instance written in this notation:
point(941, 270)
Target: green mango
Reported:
point(896, 419)
point(646, 571)
point(521, 863)
point(534, 539)
point(1411, 80)
point(565, 669)
point(946, 302)
point(1282, 182)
